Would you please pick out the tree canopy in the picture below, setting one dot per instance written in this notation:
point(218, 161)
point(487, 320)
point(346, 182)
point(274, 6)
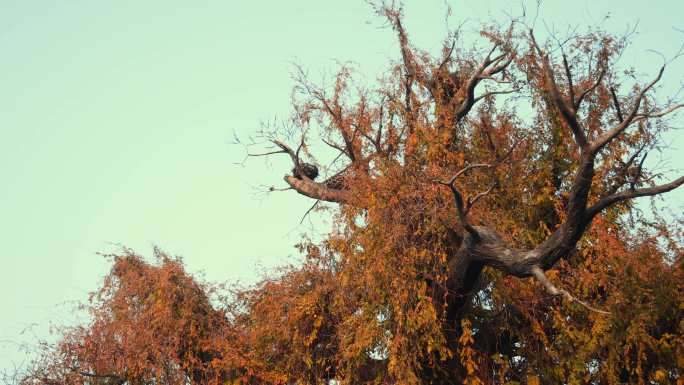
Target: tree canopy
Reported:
point(485, 231)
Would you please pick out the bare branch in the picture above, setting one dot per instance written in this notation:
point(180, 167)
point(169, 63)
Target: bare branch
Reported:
point(609, 135)
point(610, 200)
point(492, 93)
point(335, 146)
point(447, 57)
point(568, 76)
point(271, 189)
point(567, 112)
point(286, 149)
point(461, 208)
point(267, 153)
point(622, 172)
point(502, 65)
point(307, 187)
point(309, 210)
point(637, 174)
point(487, 68)
point(616, 104)
point(658, 114)
point(538, 273)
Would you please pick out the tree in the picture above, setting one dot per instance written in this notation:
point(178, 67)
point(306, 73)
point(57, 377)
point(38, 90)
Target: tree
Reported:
point(485, 232)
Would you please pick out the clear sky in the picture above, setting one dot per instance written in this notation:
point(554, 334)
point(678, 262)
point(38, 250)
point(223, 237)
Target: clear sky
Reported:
point(116, 122)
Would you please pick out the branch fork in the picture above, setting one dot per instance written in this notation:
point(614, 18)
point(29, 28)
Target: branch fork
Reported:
point(462, 207)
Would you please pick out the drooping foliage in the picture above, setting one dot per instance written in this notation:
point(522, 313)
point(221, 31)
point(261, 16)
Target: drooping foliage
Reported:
point(484, 232)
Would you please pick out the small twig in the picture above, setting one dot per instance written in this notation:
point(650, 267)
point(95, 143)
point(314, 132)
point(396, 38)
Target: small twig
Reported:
point(272, 188)
point(268, 153)
point(309, 210)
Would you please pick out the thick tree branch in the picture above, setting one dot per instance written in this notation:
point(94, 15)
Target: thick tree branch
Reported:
point(616, 104)
point(487, 68)
point(568, 112)
point(612, 199)
point(568, 77)
point(307, 187)
point(311, 189)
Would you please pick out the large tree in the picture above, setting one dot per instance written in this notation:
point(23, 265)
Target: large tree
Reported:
point(485, 231)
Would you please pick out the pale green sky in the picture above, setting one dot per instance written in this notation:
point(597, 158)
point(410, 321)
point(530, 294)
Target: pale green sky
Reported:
point(116, 119)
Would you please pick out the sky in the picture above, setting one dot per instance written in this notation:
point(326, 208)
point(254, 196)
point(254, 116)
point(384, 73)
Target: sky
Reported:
point(117, 122)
